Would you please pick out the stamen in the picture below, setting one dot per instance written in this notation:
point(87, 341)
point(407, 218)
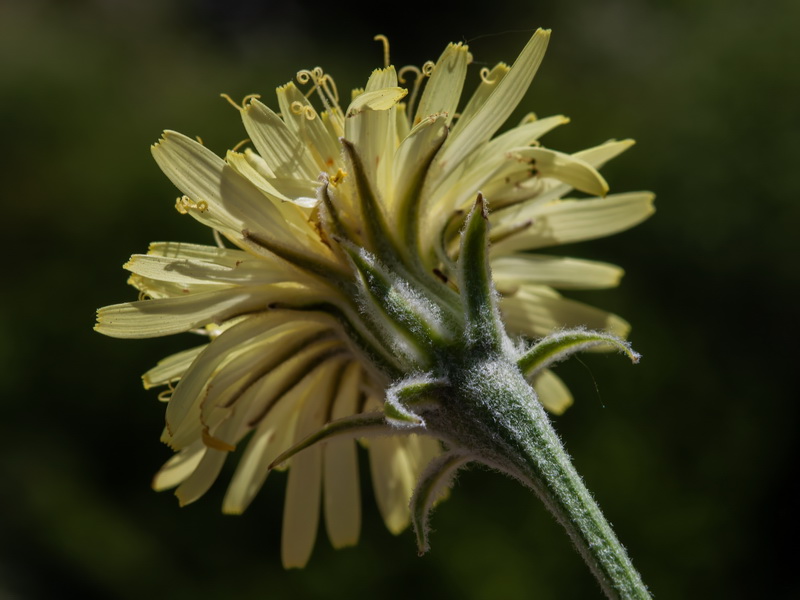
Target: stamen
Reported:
point(333, 92)
point(242, 106)
point(320, 80)
point(418, 75)
point(244, 142)
point(485, 76)
point(306, 110)
point(408, 68)
point(304, 76)
point(184, 204)
point(385, 41)
point(166, 395)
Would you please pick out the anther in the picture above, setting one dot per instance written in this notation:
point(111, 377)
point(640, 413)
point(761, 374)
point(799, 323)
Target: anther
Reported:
point(338, 177)
point(385, 41)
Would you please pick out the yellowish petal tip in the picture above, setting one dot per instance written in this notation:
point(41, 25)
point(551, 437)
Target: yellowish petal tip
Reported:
point(164, 135)
point(344, 544)
point(281, 89)
point(166, 438)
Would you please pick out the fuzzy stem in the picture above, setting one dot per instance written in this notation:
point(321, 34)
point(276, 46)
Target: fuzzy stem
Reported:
point(501, 418)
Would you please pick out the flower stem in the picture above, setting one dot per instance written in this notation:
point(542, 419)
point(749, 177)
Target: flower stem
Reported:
point(501, 419)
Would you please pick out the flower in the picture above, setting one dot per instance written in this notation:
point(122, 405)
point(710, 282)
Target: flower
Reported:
point(346, 225)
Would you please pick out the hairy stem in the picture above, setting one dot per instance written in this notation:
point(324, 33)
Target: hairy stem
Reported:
point(500, 419)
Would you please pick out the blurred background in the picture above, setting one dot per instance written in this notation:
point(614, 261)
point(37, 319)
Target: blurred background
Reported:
point(691, 453)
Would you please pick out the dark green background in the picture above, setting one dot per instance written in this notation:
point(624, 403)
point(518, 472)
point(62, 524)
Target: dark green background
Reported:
point(691, 453)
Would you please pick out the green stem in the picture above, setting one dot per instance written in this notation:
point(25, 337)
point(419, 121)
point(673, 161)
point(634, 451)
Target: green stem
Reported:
point(500, 418)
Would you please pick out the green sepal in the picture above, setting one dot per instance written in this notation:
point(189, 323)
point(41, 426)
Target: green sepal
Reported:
point(400, 417)
point(558, 346)
point(327, 270)
point(484, 329)
point(416, 316)
point(424, 142)
point(328, 210)
point(416, 392)
point(376, 231)
point(432, 483)
point(366, 340)
point(359, 425)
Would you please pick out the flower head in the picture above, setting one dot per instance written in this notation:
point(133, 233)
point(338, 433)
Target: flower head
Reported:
point(342, 288)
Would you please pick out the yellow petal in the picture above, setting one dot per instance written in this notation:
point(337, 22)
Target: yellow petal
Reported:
point(570, 170)
point(443, 90)
point(273, 434)
point(342, 497)
point(568, 221)
point(475, 127)
point(171, 368)
point(178, 468)
point(279, 146)
point(562, 273)
point(382, 99)
point(553, 394)
point(535, 311)
point(301, 508)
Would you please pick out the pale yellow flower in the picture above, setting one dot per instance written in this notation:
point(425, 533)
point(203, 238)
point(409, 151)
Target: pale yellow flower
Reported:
point(290, 346)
